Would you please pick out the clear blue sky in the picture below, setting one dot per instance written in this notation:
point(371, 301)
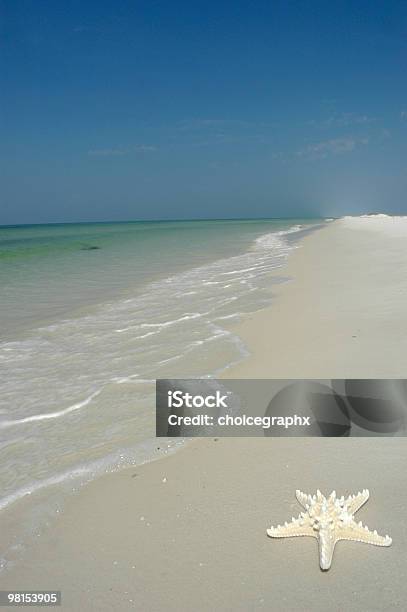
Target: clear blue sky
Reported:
point(115, 110)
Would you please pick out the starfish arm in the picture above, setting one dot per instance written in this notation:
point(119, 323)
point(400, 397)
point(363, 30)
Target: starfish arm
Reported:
point(303, 498)
point(361, 533)
point(327, 543)
point(297, 527)
point(354, 502)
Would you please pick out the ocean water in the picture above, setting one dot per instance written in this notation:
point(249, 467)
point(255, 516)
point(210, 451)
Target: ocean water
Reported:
point(92, 314)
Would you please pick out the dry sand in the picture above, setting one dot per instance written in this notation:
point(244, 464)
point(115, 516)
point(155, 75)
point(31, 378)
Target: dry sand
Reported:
point(188, 532)
point(344, 315)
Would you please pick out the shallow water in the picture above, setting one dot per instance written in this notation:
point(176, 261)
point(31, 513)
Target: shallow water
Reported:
point(86, 331)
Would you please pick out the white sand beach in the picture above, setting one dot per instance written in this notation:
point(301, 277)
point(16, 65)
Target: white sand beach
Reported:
point(188, 532)
point(344, 313)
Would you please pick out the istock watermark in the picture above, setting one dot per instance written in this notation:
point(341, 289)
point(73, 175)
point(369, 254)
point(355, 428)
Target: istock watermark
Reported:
point(281, 407)
point(178, 399)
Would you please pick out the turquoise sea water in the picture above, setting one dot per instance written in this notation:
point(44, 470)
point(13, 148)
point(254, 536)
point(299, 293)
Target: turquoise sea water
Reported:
point(47, 271)
point(92, 314)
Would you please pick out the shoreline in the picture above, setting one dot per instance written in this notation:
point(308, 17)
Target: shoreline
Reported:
point(178, 532)
point(227, 351)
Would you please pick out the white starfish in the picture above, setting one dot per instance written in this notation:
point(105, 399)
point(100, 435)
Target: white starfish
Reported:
point(329, 519)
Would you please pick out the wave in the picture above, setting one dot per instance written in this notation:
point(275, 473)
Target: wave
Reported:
point(109, 358)
point(50, 415)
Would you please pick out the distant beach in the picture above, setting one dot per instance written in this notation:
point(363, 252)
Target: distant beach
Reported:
point(177, 533)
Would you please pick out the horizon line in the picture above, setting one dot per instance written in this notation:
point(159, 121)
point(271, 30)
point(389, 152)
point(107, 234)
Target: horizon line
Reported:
point(164, 220)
